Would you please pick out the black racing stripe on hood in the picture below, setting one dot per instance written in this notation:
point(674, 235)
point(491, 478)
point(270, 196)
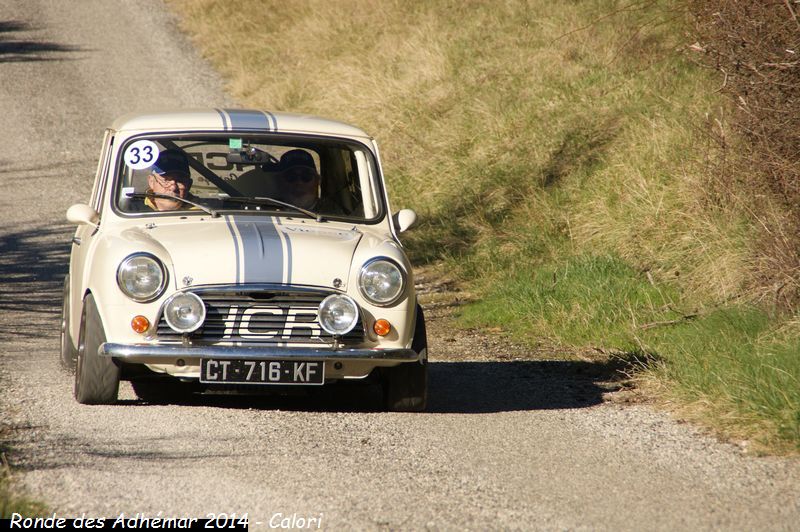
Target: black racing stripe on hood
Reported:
point(262, 249)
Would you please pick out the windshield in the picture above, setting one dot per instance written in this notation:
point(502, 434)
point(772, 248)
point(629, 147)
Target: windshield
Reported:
point(291, 176)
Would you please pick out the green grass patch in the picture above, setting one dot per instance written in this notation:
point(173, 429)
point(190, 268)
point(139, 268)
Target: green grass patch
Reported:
point(740, 363)
point(11, 501)
point(588, 300)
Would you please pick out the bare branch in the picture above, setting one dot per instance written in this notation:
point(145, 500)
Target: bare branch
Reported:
point(655, 324)
point(634, 6)
point(791, 12)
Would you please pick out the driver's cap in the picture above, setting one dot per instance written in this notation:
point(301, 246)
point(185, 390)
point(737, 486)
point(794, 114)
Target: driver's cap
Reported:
point(171, 162)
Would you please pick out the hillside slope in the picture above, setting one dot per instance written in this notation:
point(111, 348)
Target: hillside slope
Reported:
point(563, 157)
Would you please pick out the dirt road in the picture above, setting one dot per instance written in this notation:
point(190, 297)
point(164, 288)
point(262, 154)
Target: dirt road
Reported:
point(512, 439)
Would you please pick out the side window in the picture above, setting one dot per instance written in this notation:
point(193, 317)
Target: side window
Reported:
point(101, 175)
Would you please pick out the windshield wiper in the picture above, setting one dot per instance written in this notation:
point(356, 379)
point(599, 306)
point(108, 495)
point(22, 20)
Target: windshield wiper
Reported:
point(262, 200)
point(209, 210)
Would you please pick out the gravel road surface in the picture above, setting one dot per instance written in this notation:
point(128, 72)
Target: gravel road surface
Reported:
point(513, 439)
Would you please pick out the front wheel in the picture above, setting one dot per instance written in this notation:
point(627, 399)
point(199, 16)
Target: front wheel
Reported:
point(96, 377)
point(68, 351)
point(405, 387)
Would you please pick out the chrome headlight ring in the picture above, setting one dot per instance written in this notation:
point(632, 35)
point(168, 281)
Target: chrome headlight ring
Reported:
point(338, 314)
point(382, 281)
point(184, 312)
point(142, 277)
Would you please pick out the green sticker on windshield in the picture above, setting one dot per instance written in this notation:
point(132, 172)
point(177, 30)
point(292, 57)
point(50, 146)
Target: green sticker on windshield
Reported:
point(235, 144)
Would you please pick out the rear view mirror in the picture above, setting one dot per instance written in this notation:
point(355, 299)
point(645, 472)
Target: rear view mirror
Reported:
point(250, 155)
point(404, 219)
point(81, 213)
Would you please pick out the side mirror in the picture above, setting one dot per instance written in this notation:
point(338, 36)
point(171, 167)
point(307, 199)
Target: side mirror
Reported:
point(81, 213)
point(404, 219)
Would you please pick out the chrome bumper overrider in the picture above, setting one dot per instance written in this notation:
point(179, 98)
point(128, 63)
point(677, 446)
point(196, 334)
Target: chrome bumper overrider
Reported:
point(149, 351)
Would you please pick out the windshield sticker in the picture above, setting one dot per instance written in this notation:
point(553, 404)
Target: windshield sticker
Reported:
point(235, 144)
point(141, 154)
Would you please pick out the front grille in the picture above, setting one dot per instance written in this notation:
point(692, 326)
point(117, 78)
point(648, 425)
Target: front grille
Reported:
point(259, 317)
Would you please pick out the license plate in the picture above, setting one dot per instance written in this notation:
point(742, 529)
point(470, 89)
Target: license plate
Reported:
point(262, 372)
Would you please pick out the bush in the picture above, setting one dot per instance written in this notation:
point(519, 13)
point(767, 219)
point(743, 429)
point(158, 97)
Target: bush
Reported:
point(755, 46)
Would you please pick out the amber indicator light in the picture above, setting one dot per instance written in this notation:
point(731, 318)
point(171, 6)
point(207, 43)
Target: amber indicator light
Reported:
point(140, 324)
point(382, 327)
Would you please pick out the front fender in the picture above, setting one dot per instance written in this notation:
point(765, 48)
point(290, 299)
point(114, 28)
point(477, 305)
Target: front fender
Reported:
point(100, 278)
point(401, 314)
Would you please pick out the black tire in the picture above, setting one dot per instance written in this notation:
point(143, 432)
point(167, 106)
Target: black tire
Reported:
point(405, 387)
point(96, 377)
point(69, 354)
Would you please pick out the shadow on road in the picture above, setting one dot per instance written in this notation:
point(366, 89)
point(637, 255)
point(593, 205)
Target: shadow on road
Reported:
point(484, 387)
point(33, 263)
point(65, 452)
point(16, 48)
point(454, 388)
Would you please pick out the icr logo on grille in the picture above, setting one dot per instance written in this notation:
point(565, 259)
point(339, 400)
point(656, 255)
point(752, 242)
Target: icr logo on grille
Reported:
point(261, 323)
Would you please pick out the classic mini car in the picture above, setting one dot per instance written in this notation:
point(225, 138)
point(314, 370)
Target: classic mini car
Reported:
point(243, 251)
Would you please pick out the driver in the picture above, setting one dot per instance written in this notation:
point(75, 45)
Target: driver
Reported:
point(169, 175)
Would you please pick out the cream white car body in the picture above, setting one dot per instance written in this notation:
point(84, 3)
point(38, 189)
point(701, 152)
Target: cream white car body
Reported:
point(202, 253)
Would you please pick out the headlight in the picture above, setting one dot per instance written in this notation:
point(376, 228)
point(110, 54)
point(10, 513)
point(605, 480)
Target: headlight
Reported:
point(141, 277)
point(338, 314)
point(381, 281)
point(184, 312)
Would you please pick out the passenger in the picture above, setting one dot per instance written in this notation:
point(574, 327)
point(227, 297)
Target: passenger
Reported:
point(169, 175)
point(299, 180)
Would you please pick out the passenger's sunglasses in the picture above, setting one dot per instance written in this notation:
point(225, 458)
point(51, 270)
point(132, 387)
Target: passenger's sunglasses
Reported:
point(304, 176)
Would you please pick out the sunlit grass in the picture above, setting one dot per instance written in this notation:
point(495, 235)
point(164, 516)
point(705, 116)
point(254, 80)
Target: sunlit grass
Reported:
point(11, 503)
point(596, 301)
point(740, 367)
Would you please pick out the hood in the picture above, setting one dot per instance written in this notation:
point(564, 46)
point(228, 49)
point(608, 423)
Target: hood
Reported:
point(246, 249)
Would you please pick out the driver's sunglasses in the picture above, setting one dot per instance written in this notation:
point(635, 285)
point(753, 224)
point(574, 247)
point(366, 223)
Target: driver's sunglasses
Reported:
point(304, 176)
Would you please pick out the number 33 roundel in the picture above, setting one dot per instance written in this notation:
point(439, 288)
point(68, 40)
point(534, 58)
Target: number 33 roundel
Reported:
point(141, 154)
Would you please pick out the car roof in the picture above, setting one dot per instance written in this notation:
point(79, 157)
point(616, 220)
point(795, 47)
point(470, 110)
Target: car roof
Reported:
point(215, 119)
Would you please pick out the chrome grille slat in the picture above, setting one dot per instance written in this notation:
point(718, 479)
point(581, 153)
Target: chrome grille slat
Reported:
point(256, 320)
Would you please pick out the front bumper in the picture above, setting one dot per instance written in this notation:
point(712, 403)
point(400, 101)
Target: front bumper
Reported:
point(169, 353)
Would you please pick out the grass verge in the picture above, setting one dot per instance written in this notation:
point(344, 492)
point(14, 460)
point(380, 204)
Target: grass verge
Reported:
point(11, 502)
point(10, 499)
point(739, 366)
point(560, 155)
